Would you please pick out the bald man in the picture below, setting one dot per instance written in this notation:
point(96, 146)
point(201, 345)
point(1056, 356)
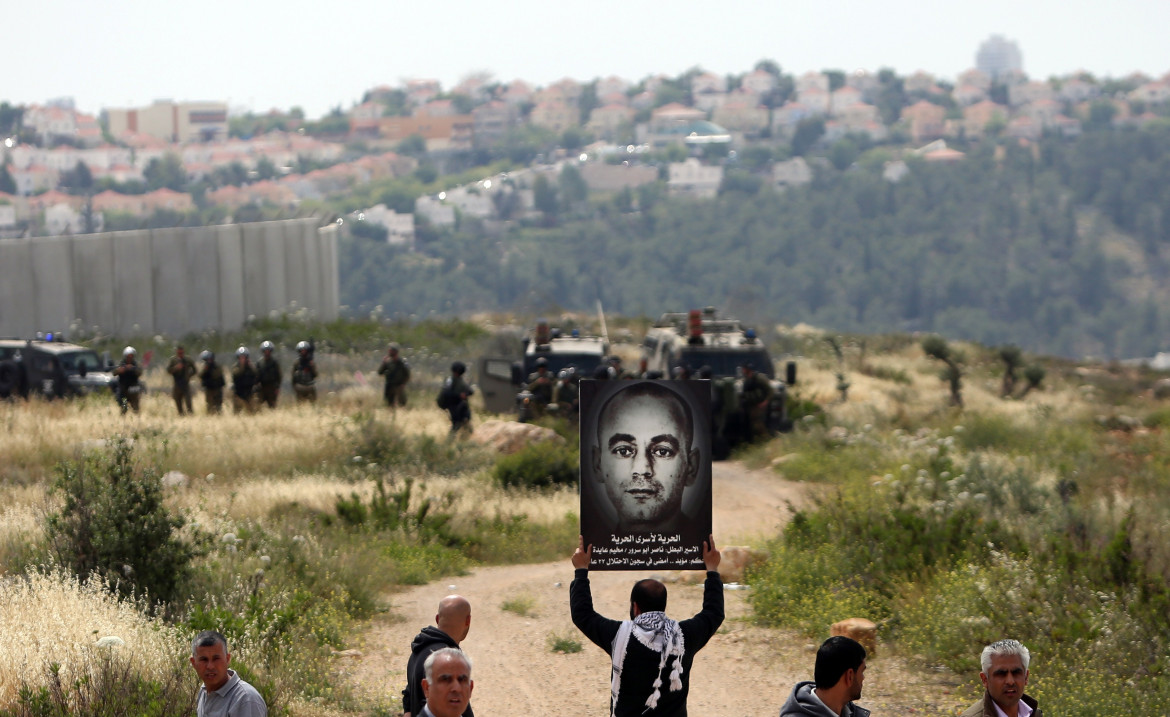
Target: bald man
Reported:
point(451, 625)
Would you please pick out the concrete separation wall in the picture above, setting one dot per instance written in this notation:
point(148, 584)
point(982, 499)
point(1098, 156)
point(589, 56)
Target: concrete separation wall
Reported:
point(167, 281)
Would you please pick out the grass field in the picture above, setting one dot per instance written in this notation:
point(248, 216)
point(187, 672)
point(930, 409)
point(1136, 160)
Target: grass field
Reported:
point(1041, 518)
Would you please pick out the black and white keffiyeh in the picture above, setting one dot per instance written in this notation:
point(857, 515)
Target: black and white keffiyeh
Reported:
point(659, 633)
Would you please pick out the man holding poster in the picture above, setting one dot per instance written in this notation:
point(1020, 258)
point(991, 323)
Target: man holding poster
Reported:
point(645, 473)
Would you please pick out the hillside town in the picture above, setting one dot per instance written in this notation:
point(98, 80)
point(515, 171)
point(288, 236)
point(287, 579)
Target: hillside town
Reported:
point(65, 171)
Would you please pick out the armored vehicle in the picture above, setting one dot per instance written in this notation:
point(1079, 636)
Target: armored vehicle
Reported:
point(501, 380)
point(51, 369)
point(706, 345)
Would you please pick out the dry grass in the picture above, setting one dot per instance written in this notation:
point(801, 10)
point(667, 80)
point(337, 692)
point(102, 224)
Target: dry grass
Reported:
point(49, 618)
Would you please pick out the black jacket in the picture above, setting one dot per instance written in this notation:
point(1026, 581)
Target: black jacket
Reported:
point(429, 640)
point(641, 665)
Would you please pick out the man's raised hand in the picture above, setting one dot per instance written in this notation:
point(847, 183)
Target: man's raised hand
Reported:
point(582, 555)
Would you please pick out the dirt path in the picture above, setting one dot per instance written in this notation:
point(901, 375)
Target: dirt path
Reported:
point(744, 670)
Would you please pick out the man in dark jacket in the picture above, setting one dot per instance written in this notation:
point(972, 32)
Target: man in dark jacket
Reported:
point(397, 373)
point(181, 370)
point(651, 654)
point(839, 673)
point(453, 398)
point(1004, 677)
point(211, 377)
point(269, 374)
point(451, 625)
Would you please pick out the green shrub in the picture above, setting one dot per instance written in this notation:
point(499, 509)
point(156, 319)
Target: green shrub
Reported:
point(378, 445)
point(564, 644)
point(392, 511)
point(522, 605)
point(111, 687)
point(540, 465)
point(113, 523)
point(514, 539)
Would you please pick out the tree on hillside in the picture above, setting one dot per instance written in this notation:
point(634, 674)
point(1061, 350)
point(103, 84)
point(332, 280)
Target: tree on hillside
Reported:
point(544, 198)
point(1034, 375)
point(808, 132)
point(166, 171)
point(7, 183)
point(1012, 360)
point(937, 348)
point(77, 180)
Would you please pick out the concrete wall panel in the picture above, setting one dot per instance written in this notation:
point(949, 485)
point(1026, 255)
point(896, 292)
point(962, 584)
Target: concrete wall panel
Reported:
point(255, 268)
point(52, 271)
point(17, 319)
point(309, 249)
point(203, 295)
point(229, 241)
point(296, 267)
point(330, 288)
point(172, 281)
point(93, 282)
point(276, 286)
point(133, 283)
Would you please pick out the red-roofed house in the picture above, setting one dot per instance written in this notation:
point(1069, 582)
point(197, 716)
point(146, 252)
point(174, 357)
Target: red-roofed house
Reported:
point(926, 120)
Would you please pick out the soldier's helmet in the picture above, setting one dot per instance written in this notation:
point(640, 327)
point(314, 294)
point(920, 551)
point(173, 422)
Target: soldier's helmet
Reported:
point(542, 361)
point(243, 351)
point(302, 346)
point(206, 355)
point(266, 346)
point(458, 368)
point(129, 351)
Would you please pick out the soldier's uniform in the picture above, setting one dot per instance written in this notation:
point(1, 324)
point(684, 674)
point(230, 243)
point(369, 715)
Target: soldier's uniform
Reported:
point(181, 369)
point(129, 387)
point(540, 385)
point(304, 379)
point(453, 397)
point(567, 396)
point(245, 378)
point(268, 369)
point(397, 373)
point(757, 392)
point(212, 379)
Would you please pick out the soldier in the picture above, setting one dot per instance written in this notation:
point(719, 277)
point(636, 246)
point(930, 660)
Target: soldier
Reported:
point(304, 377)
point(567, 394)
point(397, 373)
point(129, 373)
point(244, 381)
point(540, 385)
point(757, 392)
point(268, 369)
point(211, 377)
point(453, 397)
point(181, 370)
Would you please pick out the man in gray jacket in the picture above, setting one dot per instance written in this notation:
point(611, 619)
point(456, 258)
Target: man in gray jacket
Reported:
point(1004, 676)
point(839, 673)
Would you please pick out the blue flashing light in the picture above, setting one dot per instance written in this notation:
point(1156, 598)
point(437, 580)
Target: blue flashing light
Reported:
point(750, 333)
point(49, 336)
point(576, 333)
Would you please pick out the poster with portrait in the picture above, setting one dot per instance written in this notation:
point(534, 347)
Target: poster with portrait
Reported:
point(646, 473)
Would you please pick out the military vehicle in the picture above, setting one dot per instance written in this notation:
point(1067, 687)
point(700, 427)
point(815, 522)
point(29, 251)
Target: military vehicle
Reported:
point(51, 369)
point(501, 380)
point(701, 341)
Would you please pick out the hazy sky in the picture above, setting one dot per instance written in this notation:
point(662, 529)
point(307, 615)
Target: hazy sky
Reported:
point(263, 53)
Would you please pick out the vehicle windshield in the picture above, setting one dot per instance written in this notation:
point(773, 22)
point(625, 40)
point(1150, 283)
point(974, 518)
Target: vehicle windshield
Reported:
point(585, 363)
point(725, 363)
point(72, 361)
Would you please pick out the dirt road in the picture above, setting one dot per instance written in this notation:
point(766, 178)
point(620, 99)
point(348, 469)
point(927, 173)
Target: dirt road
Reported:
point(743, 670)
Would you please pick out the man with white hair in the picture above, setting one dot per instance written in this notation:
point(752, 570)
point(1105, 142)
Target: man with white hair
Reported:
point(1004, 677)
point(447, 684)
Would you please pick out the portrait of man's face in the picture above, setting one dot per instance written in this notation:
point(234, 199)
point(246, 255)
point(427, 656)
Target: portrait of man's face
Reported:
point(645, 456)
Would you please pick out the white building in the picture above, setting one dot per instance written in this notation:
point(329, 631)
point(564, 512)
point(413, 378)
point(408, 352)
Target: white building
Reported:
point(694, 178)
